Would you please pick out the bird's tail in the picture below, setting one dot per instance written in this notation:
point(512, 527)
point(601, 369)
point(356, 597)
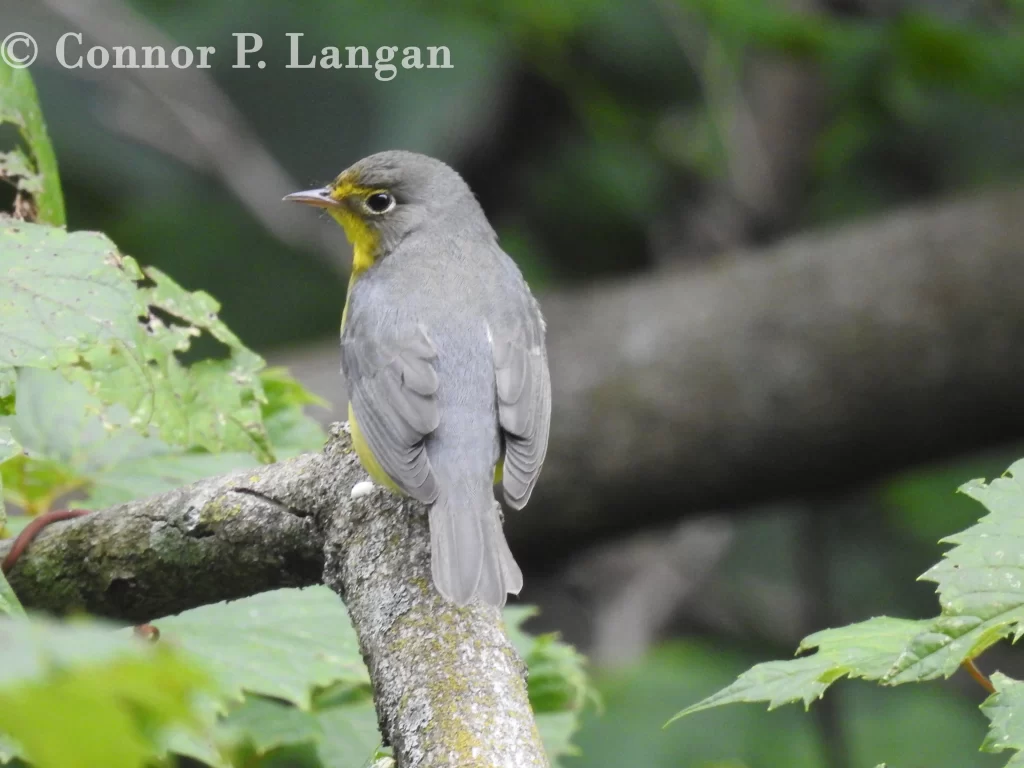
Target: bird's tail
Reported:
point(468, 551)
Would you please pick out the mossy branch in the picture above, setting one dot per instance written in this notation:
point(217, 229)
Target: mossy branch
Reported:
point(448, 686)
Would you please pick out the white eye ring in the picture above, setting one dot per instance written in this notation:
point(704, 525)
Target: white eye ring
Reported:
point(379, 203)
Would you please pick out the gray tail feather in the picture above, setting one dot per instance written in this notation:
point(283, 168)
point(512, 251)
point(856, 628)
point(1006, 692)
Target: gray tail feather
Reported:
point(469, 555)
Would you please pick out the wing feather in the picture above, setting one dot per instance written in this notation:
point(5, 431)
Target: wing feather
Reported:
point(524, 398)
point(392, 387)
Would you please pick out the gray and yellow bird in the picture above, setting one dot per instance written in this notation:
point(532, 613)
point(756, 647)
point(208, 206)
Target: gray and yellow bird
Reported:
point(443, 354)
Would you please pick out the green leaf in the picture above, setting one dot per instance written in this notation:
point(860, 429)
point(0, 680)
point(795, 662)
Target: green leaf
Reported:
point(9, 603)
point(266, 725)
point(557, 680)
point(163, 470)
point(341, 729)
point(285, 392)
point(1005, 711)
point(79, 695)
point(290, 429)
point(557, 730)
point(36, 176)
point(285, 644)
point(298, 646)
point(7, 378)
point(557, 684)
point(71, 442)
point(9, 448)
point(71, 302)
point(350, 733)
point(980, 585)
point(866, 650)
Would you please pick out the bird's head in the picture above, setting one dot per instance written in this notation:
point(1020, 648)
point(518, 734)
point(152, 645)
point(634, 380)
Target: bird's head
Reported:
point(384, 197)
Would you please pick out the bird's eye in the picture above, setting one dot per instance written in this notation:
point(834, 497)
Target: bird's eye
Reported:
point(380, 202)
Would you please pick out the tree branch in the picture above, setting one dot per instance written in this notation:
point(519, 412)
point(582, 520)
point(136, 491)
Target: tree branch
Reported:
point(448, 686)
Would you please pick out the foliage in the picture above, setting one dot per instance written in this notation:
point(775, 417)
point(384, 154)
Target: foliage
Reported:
point(117, 334)
point(982, 602)
point(82, 695)
point(287, 680)
point(283, 644)
point(73, 303)
point(557, 684)
point(9, 603)
point(33, 174)
point(982, 61)
point(925, 78)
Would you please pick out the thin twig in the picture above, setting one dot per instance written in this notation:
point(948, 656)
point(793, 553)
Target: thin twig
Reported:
point(978, 675)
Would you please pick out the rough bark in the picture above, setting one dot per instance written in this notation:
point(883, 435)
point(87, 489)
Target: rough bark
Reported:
point(219, 539)
point(806, 368)
point(448, 686)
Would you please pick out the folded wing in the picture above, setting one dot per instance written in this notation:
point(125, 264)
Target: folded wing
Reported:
point(392, 388)
point(524, 398)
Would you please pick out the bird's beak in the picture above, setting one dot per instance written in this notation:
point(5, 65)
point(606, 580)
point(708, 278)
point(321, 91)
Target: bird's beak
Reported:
point(321, 198)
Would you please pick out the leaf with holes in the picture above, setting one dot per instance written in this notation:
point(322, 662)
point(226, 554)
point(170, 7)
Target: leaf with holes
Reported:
point(71, 443)
point(35, 178)
point(71, 302)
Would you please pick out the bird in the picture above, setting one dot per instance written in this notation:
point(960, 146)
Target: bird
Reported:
point(443, 354)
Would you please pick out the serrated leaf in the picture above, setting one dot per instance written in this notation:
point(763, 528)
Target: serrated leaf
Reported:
point(284, 644)
point(350, 736)
point(1005, 711)
point(290, 430)
point(19, 106)
point(82, 695)
point(557, 730)
point(285, 392)
point(162, 471)
point(72, 442)
point(980, 585)
point(71, 302)
point(558, 680)
point(266, 725)
point(865, 650)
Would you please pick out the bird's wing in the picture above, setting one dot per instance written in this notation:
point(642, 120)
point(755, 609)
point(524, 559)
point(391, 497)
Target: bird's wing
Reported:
point(524, 397)
point(392, 388)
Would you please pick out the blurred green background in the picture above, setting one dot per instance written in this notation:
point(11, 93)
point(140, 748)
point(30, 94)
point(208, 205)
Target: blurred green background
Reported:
point(604, 139)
